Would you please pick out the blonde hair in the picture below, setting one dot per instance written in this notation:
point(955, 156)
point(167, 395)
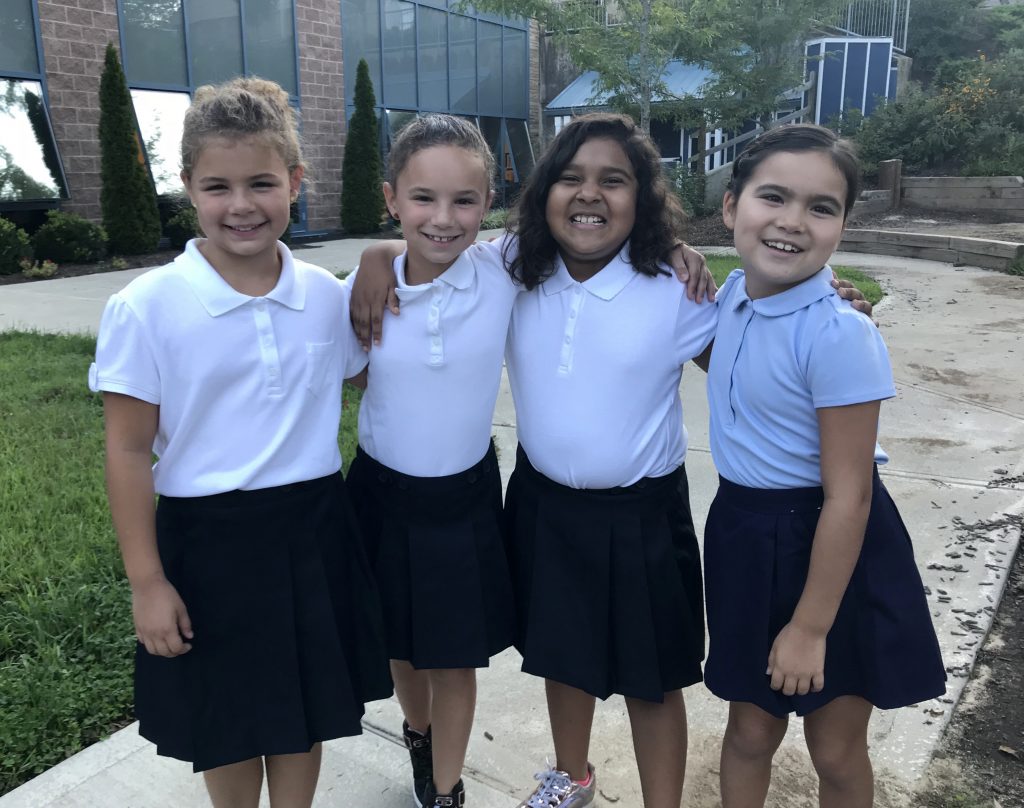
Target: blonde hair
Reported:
point(241, 108)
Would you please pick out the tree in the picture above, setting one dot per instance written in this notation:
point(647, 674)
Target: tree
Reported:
point(362, 201)
point(127, 198)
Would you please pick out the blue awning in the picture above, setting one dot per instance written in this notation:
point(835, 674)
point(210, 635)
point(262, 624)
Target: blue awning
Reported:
point(680, 77)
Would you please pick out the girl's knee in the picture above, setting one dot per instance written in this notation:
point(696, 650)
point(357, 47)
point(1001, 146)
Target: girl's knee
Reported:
point(838, 758)
point(752, 732)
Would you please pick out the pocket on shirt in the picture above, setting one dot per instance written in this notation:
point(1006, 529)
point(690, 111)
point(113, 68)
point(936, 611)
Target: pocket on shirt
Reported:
point(319, 364)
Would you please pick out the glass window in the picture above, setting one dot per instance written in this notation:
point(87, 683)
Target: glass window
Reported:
point(360, 27)
point(489, 68)
point(18, 37)
point(462, 51)
point(491, 130)
point(397, 120)
point(215, 40)
point(29, 165)
point(433, 55)
point(514, 74)
point(399, 40)
point(154, 36)
point(161, 118)
point(522, 151)
point(270, 41)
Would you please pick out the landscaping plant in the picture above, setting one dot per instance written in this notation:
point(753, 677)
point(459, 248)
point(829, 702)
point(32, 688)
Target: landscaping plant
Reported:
point(69, 238)
point(14, 247)
point(362, 201)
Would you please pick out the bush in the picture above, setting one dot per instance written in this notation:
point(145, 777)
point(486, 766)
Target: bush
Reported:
point(495, 219)
point(688, 187)
point(362, 201)
point(68, 238)
point(14, 247)
point(35, 269)
point(127, 198)
point(181, 227)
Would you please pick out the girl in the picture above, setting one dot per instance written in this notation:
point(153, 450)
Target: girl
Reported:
point(814, 602)
point(257, 619)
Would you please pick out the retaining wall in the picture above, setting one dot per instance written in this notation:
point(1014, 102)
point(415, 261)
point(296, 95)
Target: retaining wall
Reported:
point(1002, 194)
point(977, 252)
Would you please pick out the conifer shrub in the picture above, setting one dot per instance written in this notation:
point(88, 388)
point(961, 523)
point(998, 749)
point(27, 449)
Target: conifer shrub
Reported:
point(362, 201)
point(127, 198)
point(15, 247)
point(68, 238)
point(181, 227)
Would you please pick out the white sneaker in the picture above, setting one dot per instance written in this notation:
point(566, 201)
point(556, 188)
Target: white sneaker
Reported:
point(557, 790)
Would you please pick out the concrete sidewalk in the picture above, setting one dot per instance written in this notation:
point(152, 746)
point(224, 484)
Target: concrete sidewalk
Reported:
point(954, 433)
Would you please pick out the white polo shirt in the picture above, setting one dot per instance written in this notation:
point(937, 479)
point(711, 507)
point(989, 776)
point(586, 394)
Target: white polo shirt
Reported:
point(249, 388)
point(433, 380)
point(595, 370)
point(776, 361)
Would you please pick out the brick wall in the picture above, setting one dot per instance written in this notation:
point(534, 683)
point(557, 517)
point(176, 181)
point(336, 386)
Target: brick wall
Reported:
point(322, 88)
point(75, 35)
point(536, 79)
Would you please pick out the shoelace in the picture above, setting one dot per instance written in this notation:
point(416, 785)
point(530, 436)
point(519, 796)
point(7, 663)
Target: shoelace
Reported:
point(554, 787)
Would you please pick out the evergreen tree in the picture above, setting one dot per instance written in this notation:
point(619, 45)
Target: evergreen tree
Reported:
point(362, 201)
point(127, 198)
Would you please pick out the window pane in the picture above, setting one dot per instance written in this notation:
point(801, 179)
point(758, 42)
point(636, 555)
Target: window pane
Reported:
point(214, 40)
point(29, 166)
point(398, 119)
point(489, 68)
point(514, 73)
point(433, 53)
point(462, 79)
point(519, 137)
point(399, 53)
point(161, 119)
point(154, 36)
point(491, 130)
point(17, 37)
point(360, 27)
point(270, 41)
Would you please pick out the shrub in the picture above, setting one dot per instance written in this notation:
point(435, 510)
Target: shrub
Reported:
point(14, 247)
point(494, 219)
point(362, 201)
point(36, 269)
point(181, 227)
point(127, 198)
point(68, 238)
point(689, 187)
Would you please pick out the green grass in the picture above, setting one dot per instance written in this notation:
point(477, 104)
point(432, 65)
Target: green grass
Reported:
point(66, 638)
point(722, 265)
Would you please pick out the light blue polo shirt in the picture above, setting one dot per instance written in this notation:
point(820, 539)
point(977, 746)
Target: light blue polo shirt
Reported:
point(776, 361)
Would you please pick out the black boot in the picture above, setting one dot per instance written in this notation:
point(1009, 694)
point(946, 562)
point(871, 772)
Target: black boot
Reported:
point(454, 800)
point(422, 758)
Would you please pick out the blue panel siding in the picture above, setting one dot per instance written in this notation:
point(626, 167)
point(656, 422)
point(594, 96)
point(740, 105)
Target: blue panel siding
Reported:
point(856, 75)
point(812, 67)
point(878, 75)
point(831, 81)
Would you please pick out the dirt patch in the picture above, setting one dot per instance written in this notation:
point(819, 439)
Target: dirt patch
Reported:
point(946, 376)
point(1001, 285)
point(708, 231)
point(974, 224)
point(77, 270)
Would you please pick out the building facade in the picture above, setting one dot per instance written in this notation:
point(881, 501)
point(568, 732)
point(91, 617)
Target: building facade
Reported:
point(423, 56)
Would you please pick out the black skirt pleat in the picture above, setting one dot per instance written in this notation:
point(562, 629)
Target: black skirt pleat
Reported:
point(437, 549)
point(288, 634)
point(608, 583)
point(882, 646)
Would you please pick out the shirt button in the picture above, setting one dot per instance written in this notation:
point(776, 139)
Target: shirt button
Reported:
point(261, 305)
point(568, 340)
point(572, 314)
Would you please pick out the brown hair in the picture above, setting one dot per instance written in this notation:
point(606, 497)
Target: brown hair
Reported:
point(437, 130)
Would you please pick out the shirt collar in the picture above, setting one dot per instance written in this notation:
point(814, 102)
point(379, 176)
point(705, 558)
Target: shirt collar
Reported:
point(217, 295)
point(605, 284)
point(459, 275)
point(811, 290)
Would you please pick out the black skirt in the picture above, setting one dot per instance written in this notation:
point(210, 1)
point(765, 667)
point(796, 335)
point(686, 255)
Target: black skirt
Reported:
point(288, 635)
point(436, 546)
point(608, 583)
point(757, 547)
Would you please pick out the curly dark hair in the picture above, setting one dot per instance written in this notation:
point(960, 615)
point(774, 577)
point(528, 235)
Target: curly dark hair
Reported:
point(659, 216)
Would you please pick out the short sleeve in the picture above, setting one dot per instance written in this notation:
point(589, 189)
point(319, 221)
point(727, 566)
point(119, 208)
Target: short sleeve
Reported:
point(695, 327)
point(848, 362)
point(354, 358)
point(124, 357)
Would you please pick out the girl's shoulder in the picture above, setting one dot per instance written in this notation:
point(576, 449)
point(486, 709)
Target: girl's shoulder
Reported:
point(733, 285)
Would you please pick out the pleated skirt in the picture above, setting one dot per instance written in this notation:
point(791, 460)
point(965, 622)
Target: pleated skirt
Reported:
point(757, 547)
point(437, 550)
point(607, 582)
point(288, 638)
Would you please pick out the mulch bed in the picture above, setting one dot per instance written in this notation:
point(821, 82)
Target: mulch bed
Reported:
point(77, 270)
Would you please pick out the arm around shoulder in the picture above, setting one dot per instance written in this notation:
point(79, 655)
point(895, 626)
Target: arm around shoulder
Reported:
point(373, 290)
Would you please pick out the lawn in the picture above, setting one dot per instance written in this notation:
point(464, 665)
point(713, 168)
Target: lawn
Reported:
point(722, 265)
point(66, 635)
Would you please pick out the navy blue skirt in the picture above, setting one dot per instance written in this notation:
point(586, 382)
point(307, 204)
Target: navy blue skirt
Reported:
point(607, 582)
point(288, 634)
point(436, 546)
point(757, 548)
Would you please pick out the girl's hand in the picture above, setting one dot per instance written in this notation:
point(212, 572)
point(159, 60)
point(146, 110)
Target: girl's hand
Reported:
point(373, 290)
point(847, 291)
point(161, 620)
point(796, 662)
point(692, 269)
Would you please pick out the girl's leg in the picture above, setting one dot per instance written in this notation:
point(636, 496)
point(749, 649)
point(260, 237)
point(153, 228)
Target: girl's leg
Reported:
point(571, 713)
point(454, 692)
point(237, 785)
point(837, 738)
point(659, 741)
point(751, 738)
point(413, 690)
point(291, 779)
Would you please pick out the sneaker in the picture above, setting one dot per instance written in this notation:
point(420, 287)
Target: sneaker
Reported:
point(422, 759)
point(454, 800)
point(557, 790)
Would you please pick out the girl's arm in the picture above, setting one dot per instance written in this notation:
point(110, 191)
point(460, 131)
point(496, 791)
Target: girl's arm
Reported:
point(691, 269)
point(796, 663)
point(374, 290)
point(161, 620)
